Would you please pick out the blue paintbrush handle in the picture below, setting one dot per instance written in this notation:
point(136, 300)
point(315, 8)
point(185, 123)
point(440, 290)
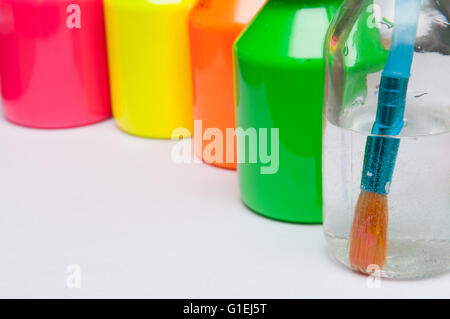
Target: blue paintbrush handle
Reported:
point(381, 152)
point(391, 106)
point(379, 162)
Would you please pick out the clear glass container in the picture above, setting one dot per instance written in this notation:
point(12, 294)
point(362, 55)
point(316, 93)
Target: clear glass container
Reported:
point(358, 46)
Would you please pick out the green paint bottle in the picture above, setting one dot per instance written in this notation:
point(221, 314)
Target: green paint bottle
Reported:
point(280, 76)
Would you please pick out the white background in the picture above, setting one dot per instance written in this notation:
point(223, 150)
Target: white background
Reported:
point(141, 226)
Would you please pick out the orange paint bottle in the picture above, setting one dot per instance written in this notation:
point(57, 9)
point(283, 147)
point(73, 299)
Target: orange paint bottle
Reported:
point(214, 26)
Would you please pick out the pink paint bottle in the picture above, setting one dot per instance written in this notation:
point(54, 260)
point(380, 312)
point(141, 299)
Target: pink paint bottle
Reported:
point(53, 62)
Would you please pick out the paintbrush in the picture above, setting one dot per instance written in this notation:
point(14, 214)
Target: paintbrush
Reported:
point(369, 232)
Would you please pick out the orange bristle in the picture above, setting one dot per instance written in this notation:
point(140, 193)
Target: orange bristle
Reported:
point(368, 238)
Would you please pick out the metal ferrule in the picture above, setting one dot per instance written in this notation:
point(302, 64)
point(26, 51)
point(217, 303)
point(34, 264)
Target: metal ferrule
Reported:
point(381, 152)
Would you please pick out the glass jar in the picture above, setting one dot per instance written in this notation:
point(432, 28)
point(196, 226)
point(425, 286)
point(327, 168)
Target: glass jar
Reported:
point(359, 46)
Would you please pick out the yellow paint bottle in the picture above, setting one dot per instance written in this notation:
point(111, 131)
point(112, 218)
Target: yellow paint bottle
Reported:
point(149, 64)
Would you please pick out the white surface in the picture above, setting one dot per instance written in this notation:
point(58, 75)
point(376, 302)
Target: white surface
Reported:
point(141, 226)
